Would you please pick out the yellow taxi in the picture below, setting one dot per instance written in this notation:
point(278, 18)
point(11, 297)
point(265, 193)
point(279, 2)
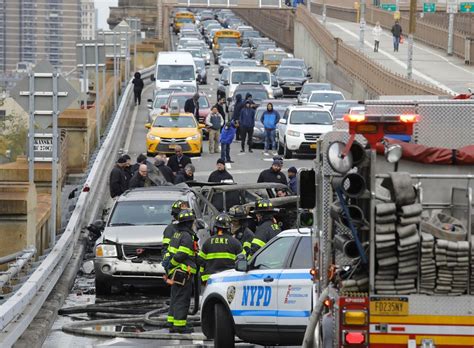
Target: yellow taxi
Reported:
point(273, 58)
point(171, 129)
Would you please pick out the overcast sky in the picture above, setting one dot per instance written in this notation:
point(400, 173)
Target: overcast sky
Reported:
point(103, 7)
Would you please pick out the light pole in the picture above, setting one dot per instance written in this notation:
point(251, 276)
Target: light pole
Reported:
point(411, 31)
point(362, 25)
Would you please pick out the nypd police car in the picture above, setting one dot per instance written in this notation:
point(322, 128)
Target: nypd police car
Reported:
point(266, 301)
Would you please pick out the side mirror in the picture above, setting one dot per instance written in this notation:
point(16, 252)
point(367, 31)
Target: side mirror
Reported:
point(149, 100)
point(152, 77)
point(96, 228)
point(310, 68)
point(282, 121)
point(308, 76)
point(147, 125)
point(200, 224)
point(201, 126)
point(241, 265)
point(150, 106)
point(226, 82)
point(274, 83)
point(217, 79)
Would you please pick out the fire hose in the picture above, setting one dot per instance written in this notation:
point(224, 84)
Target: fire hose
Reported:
point(308, 340)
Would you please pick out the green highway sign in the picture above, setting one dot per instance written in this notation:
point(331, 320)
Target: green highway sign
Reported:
point(389, 7)
point(466, 7)
point(429, 7)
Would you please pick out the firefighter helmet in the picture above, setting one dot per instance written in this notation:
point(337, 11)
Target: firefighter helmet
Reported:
point(177, 207)
point(237, 212)
point(222, 221)
point(186, 215)
point(263, 205)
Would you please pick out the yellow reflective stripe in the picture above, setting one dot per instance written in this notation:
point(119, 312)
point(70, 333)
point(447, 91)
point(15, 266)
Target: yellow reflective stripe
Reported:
point(247, 245)
point(201, 269)
point(213, 256)
point(205, 277)
point(174, 262)
point(259, 242)
point(172, 250)
point(243, 252)
point(179, 322)
point(170, 319)
point(202, 255)
point(166, 240)
point(185, 250)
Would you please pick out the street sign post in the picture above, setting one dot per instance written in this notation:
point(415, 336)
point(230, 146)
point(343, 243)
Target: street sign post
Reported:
point(429, 7)
point(44, 94)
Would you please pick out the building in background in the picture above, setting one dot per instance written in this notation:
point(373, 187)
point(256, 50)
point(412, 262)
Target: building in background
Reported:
point(89, 18)
point(34, 30)
point(146, 10)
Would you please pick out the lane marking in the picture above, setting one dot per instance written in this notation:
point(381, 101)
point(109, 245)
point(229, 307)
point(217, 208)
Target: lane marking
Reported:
point(399, 62)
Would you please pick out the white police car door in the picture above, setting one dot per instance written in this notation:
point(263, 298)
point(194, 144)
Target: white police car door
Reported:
point(295, 287)
point(257, 292)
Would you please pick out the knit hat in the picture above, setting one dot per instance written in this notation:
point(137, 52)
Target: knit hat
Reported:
point(292, 170)
point(277, 160)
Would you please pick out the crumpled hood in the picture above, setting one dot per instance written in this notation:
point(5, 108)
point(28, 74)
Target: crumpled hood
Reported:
point(140, 235)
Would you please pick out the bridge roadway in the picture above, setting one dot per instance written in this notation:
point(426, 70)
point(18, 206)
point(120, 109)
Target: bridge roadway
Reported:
point(430, 65)
point(246, 168)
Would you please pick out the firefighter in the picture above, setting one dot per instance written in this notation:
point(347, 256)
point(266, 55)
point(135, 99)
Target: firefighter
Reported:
point(239, 227)
point(172, 227)
point(182, 267)
point(267, 227)
point(220, 251)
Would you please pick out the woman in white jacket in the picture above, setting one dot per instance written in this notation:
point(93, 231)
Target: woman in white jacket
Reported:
point(377, 32)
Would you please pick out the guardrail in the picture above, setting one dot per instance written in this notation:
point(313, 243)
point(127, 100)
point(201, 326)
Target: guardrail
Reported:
point(280, 4)
point(21, 308)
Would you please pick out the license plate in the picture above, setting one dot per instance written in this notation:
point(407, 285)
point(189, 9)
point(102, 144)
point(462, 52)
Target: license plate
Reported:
point(313, 146)
point(391, 306)
point(172, 147)
point(292, 88)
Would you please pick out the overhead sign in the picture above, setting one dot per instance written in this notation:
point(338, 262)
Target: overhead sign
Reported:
point(89, 46)
point(429, 7)
point(389, 7)
point(466, 7)
point(452, 6)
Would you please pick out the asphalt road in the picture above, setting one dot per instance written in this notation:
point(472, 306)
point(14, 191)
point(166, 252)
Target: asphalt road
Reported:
point(245, 169)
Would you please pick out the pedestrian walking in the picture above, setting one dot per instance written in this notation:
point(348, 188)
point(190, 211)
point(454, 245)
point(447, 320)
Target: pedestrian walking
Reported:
point(239, 227)
point(270, 119)
point(267, 228)
point(214, 122)
point(137, 88)
point(141, 179)
point(238, 106)
point(186, 175)
point(377, 33)
point(192, 106)
point(118, 178)
point(274, 174)
point(220, 174)
point(247, 123)
point(182, 267)
point(219, 252)
point(292, 179)
point(226, 139)
point(397, 34)
point(178, 161)
point(160, 163)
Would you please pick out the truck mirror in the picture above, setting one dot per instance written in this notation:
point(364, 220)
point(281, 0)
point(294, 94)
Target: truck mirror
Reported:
point(306, 188)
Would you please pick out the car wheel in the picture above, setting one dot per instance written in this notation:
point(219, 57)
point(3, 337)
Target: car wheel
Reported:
point(224, 327)
point(102, 288)
point(287, 153)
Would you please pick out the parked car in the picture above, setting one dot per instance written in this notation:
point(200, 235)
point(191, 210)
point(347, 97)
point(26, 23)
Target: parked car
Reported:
point(300, 128)
point(180, 98)
point(279, 105)
point(309, 87)
point(228, 55)
point(291, 80)
point(341, 107)
point(296, 63)
point(326, 98)
point(201, 71)
point(257, 91)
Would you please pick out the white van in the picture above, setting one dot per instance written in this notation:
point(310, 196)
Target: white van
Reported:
point(174, 68)
point(238, 75)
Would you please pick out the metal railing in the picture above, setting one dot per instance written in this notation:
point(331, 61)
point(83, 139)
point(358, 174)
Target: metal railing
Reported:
point(20, 309)
point(233, 3)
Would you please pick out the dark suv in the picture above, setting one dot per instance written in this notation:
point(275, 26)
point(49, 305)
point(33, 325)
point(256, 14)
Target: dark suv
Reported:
point(257, 90)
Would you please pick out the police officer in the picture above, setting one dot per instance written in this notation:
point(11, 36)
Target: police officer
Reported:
point(220, 251)
point(239, 227)
point(182, 267)
point(267, 227)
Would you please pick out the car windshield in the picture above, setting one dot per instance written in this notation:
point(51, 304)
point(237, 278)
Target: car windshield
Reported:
point(155, 212)
point(232, 54)
point(274, 56)
point(288, 72)
point(231, 40)
point(184, 20)
point(246, 62)
point(175, 122)
point(194, 53)
point(325, 97)
point(160, 100)
point(310, 117)
point(342, 108)
point(250, 76)
point(307, 89)
point(175, 72)
point(251, 34)
point(200, 64)
point(187, 88)
point(296, 62)
point(181, 100)
point(256, 94)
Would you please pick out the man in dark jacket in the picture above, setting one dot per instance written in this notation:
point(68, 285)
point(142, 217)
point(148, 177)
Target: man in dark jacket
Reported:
point(247, 122)
point(141, 159)
point(186, 175)
point(220, 174)
point(118, 178)
point(192, 106)
point(267, 227)
point(292, 179)
point(137, 88)
point(397, 33)
point(141, 179)
point(178, 161)
point(160, 163)
point(220, 251)
point(127, 169)
point(221, 108)
point(274, 173)
point(238, 106)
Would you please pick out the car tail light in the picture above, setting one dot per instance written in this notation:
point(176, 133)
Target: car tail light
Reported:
point(354, 337)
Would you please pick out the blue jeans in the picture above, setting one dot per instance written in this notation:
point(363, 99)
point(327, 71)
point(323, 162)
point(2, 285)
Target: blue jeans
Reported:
point(270, 142)
point(225, 152)
point(396, 42)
